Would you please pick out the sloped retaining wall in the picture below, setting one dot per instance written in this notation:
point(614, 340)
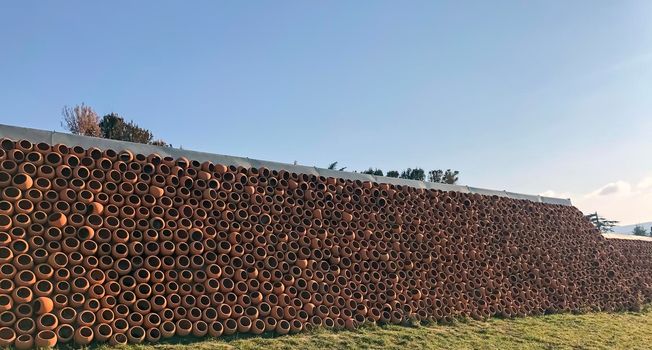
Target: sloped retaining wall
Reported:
point(635, 256)
point(120, 247)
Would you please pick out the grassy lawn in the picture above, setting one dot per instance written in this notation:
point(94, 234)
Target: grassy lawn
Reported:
point(587, 331)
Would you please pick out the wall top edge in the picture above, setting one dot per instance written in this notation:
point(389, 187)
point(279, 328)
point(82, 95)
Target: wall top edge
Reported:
point(54, 137)
point(627, 237)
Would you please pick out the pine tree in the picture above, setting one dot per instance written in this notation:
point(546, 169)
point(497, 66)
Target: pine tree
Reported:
point(602, 224)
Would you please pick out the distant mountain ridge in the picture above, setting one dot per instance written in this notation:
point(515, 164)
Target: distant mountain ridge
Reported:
point(627, 229)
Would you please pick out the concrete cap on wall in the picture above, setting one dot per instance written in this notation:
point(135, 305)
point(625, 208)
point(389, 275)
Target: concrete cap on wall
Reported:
point(626, 236)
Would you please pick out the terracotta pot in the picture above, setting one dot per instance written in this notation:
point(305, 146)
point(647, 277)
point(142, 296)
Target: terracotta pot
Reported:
point(19, 246)
point(60, 301)
point(7, 319)
point(47, 322)
point(85, 233)
point(6, 303)
point(77, 300)
point(216, 329)
point(43, 305)
point(283, 327)
point(230, 326)
point(118, 339)
point(65, 333)
point(244, 324)
point(23, 262)
point(24, 342)
point(25, 206)
point(5, 222)
point(44, 271)
point(6, 208)
point(25, 278)
point(84, 335)
point(8, 272)
point(24, 310)
point(199, 329)
point(153, 335)
point(184, 327)
point(22, 295)
point(12, 194)
point(7, 337)
point(270, 324)
point(57, 220)
point(22, 181)
point(136, 335)
point(86, 318)
point(120, 325)
point(45, 339)
point(258, 326)
point(58, 260)
point(105, 315)
point(168, 329)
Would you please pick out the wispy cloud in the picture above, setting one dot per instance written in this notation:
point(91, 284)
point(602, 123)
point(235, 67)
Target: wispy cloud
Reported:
point(612, 188)
point(645, 184)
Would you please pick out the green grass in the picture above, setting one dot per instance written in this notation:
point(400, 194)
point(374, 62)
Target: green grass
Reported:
point(563, 331)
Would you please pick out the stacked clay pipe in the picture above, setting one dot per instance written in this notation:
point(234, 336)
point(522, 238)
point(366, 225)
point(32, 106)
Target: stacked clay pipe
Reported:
point(106, 246)
point(636, 256)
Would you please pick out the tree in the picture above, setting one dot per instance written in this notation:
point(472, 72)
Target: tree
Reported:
point(435, 175)
point(81, 120)
point(333, 166)
point(392, 173)
point(602, 224)
point(413, 174)
point(114, 127)
point(639, 231)
point(444, 177)
point(371, 171)
point(450, 177)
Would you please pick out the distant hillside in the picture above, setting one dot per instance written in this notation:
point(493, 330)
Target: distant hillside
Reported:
point(630, 228)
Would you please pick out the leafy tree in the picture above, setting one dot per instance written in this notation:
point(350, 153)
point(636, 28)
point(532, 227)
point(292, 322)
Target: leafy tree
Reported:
point(81, 120)
point(371, 171)
point(444, 177)
point(435, 175)
point(639, 231)
point(114, 127)
point(450, 177)
point(413, 174)
point(601, 223)
point(392, 173)
point(333, 166)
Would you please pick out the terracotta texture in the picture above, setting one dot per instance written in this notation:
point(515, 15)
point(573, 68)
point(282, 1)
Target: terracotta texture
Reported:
point(636, 256)
point(98, 245)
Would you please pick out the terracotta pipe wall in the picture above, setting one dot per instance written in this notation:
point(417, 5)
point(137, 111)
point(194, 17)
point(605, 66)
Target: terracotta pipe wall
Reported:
point(123, 248)
point(635, 256)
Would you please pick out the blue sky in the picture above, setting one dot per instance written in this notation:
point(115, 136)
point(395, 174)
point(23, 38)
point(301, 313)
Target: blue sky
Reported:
point(547, 97)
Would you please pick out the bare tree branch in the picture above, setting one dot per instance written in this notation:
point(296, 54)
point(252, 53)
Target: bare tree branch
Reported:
point(81, 120)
